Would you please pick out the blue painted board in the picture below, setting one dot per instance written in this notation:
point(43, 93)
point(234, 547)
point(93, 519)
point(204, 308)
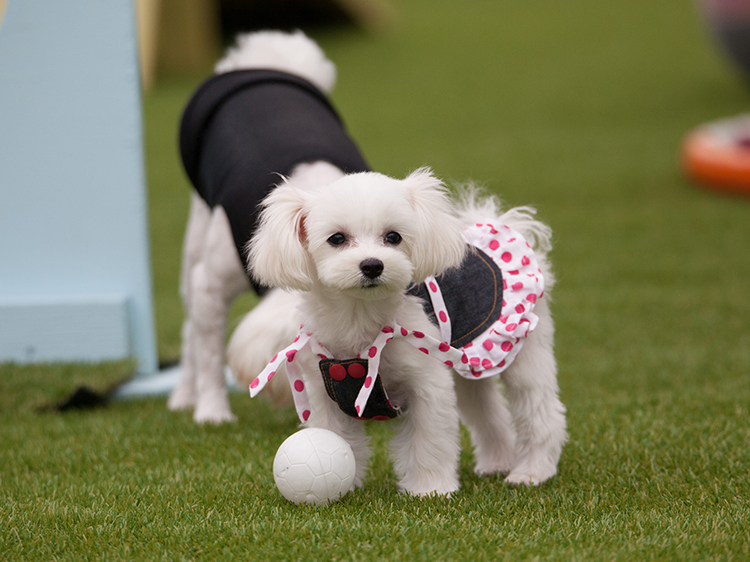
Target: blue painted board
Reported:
point(73, 207)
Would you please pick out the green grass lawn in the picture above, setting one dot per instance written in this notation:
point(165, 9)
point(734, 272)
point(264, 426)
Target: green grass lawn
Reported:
point(577, 107)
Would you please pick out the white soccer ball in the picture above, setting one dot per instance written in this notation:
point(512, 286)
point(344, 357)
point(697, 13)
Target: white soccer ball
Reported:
point(314, 466)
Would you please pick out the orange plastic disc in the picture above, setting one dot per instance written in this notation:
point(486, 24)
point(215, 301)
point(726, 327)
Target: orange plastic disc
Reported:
point(717, 154)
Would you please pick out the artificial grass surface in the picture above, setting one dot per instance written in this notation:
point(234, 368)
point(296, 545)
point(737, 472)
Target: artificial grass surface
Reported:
point(575, 107)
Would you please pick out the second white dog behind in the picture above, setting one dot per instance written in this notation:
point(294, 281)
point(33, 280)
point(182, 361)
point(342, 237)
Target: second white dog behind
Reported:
point(373, 346)
point(263, 114)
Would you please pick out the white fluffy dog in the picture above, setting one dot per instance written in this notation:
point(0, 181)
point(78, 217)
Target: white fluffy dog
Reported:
point(353, 248)
point(212, 270)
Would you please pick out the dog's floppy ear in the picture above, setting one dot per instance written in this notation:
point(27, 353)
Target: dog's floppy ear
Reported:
point(438, 244)
point(277, 252)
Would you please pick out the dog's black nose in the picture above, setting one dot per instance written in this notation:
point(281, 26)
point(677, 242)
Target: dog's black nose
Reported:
point(371, 268)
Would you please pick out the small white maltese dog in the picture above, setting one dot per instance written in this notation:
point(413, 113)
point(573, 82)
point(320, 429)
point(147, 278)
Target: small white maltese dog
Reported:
point(263, 113)
point(373, 345)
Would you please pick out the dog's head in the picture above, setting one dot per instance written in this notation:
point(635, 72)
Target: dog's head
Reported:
point(365, 234)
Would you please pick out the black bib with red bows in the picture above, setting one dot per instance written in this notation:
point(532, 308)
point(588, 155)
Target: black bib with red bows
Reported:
point(343, 381)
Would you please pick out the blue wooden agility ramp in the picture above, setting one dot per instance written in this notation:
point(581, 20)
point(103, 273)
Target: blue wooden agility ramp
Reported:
point(75, 279)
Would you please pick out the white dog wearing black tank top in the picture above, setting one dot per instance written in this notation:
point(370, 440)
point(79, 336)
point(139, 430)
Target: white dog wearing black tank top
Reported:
point(212, 273)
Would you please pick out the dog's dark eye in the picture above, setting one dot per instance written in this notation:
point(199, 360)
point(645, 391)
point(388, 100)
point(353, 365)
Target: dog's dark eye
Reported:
point(393, 238)
point(336, 239)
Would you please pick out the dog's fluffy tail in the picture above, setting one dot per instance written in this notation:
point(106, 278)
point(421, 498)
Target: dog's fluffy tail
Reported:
point(475, 206)
point(294, 53)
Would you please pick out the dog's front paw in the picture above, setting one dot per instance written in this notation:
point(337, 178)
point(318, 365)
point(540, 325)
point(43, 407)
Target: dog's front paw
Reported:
point(215, 418)
point(445, 488)
point(530, 476)
point(501, 461)
point(442, 491)
point(215, 411)
point(181, 399)
point(489, 468)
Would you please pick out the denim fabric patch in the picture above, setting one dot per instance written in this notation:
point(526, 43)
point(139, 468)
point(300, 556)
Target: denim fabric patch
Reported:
point(473, 294)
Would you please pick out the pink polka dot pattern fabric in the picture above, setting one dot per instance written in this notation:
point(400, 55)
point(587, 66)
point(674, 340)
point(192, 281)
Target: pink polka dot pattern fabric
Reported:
point(373, 363)
point(488, 354)
point(288, 354)
point(438, 305)
point(494, 350)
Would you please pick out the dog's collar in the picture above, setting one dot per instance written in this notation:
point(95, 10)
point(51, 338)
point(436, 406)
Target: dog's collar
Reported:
point(488, 354)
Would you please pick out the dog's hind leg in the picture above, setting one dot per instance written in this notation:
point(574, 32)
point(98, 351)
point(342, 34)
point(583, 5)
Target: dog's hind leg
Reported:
point(216, 280)
point(484, 411)
point(538, 414)
point(183, 396)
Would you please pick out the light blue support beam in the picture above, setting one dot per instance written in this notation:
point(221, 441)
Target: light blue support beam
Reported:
point(75, 279)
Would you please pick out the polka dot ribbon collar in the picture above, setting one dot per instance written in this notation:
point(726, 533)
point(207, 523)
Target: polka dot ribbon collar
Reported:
point(488, 354)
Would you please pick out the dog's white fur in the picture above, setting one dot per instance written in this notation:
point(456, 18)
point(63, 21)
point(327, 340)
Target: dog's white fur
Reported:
point(212, 275)
point(294, 53)
point(345, 311)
